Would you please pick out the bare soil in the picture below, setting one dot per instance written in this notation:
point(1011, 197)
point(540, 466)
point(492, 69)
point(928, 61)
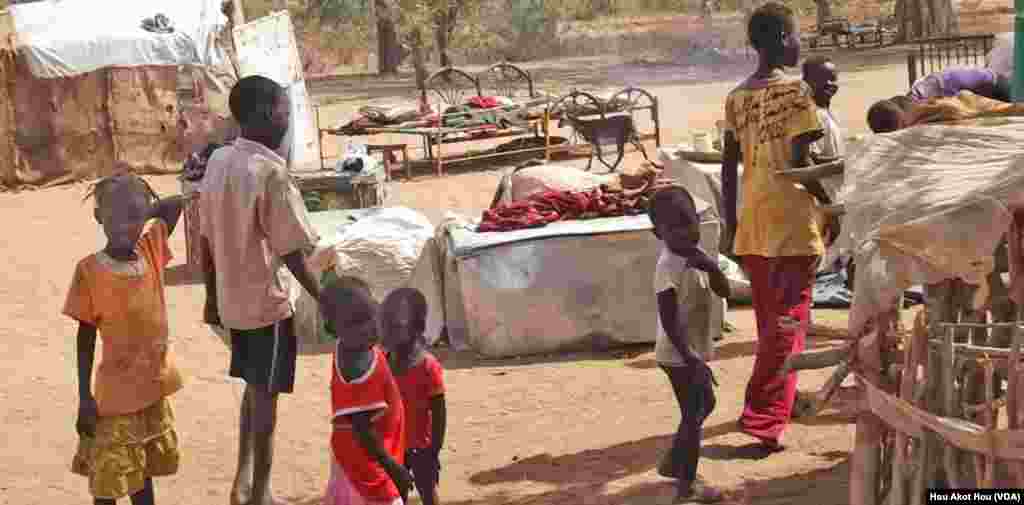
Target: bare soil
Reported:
point(553, 430)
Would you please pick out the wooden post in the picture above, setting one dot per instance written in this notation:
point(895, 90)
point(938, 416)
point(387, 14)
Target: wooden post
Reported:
point(898, 496)
point(919, 358)
point(1012, 400)
point(948, 368)
point(864, 471)
point(988, 478)
point(939, 310)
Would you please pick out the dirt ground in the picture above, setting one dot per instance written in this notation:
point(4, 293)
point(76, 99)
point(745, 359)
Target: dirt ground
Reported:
point(579, 429)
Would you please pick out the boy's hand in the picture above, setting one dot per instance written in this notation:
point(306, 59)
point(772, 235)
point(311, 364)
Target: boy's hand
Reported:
point(402, 479)
point(211, 315)
point(725, 242)
point(88, 415)
point(701, 261)
point(831, 231)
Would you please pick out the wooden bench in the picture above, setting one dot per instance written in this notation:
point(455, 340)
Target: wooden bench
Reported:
point(933, 55)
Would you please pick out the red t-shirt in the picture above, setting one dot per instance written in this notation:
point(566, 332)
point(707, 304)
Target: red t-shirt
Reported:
point(376, 391)
point(423, 381)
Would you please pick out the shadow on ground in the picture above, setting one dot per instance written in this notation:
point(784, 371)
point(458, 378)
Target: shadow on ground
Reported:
point(453, 360)
point(583, 478)
point(591, 466)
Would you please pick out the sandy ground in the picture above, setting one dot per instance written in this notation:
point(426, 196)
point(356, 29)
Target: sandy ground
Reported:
point(580, 429)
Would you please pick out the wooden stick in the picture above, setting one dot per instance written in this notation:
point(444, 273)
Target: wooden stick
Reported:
point(811, 360)
point(949, 405)
point(899, 482)
point(989, 479)
point(1012, 400)
point(918, 359)
point(864, 471)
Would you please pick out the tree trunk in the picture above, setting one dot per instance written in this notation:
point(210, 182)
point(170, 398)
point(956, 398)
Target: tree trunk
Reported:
point(926, 18)
point(902, 33)
point(824, 11)
point(441, 34)
point(389, 50)
point(418, 61)
point(444, 26)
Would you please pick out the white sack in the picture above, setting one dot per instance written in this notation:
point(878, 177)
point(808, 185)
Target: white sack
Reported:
point(382, 248)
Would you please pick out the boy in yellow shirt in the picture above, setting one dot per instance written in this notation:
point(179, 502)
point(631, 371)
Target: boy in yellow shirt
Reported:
point(771, 121)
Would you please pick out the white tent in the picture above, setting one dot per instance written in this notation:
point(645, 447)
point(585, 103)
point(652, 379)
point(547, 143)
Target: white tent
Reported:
point(64, 38)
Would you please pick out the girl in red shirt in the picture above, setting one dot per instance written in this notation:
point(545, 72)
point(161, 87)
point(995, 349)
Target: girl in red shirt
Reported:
point(368, 441)
point(420, 379)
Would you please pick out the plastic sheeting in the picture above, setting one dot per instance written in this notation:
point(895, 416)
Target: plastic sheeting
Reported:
point(507, 295)
point(930, 203)
point(64, 38)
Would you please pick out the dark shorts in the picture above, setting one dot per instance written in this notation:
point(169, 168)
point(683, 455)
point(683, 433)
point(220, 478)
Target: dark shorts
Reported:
point(265, 357)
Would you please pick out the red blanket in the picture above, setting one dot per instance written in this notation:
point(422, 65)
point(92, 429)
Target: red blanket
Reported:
point(550, 206)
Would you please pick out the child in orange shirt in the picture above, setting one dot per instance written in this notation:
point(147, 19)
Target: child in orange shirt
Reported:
point(125, 423)
point(368, 441)
point(421, 380)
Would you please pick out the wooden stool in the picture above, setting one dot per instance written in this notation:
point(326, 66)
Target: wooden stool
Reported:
point(388, 152)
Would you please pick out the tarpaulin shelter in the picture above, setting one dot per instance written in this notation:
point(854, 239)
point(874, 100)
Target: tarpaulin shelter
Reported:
point(78, 96)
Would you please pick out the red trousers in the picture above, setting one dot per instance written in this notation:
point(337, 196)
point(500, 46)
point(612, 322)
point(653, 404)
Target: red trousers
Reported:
point(781, 291)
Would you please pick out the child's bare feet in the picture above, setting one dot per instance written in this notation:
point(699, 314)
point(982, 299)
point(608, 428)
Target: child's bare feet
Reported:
point(698, 491)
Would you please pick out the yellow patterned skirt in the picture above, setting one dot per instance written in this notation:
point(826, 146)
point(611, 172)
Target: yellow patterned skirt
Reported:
point(127, 450)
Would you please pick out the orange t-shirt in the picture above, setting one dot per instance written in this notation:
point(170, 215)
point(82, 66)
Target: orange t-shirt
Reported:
point(130, 314)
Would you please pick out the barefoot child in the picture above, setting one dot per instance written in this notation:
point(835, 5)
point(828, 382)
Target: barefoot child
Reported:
point(682, 267)
point(368, 441)
point(124, 421)
point(420, 378)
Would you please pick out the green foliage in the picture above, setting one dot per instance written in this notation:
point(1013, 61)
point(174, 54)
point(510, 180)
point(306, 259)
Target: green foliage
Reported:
point(342, 9)
point(529, 16)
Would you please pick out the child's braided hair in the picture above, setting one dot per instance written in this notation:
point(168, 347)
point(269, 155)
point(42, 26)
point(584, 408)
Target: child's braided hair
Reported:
point(101, 188)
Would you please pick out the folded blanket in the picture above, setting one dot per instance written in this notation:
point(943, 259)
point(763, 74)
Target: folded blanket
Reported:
point(964, 106)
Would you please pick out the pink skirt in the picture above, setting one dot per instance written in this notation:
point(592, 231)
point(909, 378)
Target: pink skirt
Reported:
point(340, 490)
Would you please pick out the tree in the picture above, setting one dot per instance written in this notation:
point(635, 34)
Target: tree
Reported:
point(824, 11)
point(389, 50)
point(445, 19)
point(925, 18)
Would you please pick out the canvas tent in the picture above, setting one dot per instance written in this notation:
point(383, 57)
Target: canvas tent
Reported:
point(78, 96)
